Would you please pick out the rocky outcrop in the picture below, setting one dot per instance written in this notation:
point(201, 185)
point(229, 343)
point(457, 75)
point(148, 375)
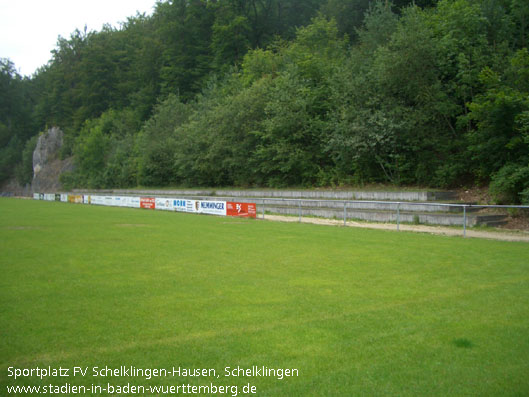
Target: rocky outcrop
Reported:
point(47, 164)
point(47, 148)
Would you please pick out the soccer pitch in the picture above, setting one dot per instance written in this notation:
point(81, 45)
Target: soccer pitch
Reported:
point(111, 298)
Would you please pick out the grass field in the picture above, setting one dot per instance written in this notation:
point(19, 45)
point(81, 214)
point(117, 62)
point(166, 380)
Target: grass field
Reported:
point(357, 312)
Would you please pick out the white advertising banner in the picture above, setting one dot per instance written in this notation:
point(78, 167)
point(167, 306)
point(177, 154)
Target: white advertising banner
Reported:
point(183, 205)
point(160, 203)
point(134, 202)
point(97, 200)
point(211, 207)
point(164, 203)
point(118, 201)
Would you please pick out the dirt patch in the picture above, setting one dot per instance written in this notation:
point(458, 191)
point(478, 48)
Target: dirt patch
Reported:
point(518, 222)
point(516, 219)
point(505, 236)
point(475, 195)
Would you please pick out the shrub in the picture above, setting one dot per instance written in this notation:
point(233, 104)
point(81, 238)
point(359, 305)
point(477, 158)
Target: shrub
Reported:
point(510, 185)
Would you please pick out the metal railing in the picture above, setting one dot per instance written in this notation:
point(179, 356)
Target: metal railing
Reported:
point(334, 204)
point(396, 204)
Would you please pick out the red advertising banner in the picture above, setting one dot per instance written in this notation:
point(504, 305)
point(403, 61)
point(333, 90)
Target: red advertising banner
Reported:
point(148, 203)
point(245, 210)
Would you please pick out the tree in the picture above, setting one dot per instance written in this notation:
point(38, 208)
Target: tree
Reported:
point(16, 124)
point(291, 138)
point(500, 142)
point(158, 142)
point(184, 29)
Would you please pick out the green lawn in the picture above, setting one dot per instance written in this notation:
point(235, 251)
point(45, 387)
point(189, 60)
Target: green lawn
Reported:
point(357, 312)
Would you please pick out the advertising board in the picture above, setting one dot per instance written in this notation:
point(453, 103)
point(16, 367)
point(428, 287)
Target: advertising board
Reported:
point(211, 207)
point(182, 205)
point(164, 203)
point(75, 198)
point(97, 200)
point(148, 203)
point(244, 210)
point(191, 206)
point(133, 202)
point(118, 201)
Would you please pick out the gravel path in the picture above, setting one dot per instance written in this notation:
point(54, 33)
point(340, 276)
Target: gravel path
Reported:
point(505, 236)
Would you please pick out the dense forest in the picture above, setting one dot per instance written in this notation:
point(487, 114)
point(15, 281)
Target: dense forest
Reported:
point(285, 93)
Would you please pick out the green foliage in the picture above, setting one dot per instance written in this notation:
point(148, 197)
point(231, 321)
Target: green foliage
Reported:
point(290, 148)
point(230, 39)
point(104, 152)
point(520, 18)
point(349, 14)
point(16, 123)
point(217, 144)
point(262, 125)
point(24, 170)
point(500, 143)
point(379, 24)
point(157, 143)
point(283, 92)
point(184, 30)
point(388, 129)
point(500, 115)
point(261, 63)
point(511, 184)
point(9, 155)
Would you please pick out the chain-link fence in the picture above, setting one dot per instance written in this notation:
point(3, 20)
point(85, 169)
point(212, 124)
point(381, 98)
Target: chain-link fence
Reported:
point(457, 214)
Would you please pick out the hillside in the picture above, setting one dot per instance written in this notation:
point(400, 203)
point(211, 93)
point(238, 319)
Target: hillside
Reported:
point(285, 93)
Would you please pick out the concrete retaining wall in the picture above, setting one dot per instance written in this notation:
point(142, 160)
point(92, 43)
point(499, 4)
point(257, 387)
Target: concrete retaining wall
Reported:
point(292, 194)
point(381, 216)
point(350, 205)
point(289, 203)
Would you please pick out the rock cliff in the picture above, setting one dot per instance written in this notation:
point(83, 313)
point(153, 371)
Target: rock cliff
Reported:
point(47, 165)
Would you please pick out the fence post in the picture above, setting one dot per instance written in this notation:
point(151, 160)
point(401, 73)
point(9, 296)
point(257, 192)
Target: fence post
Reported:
point(398, 216)
point(263, 208)
point(299, 206)
point(464, 220)
point(345, 213)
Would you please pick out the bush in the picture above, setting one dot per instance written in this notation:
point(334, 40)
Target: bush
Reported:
point(510, 185)
point(525, 196)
